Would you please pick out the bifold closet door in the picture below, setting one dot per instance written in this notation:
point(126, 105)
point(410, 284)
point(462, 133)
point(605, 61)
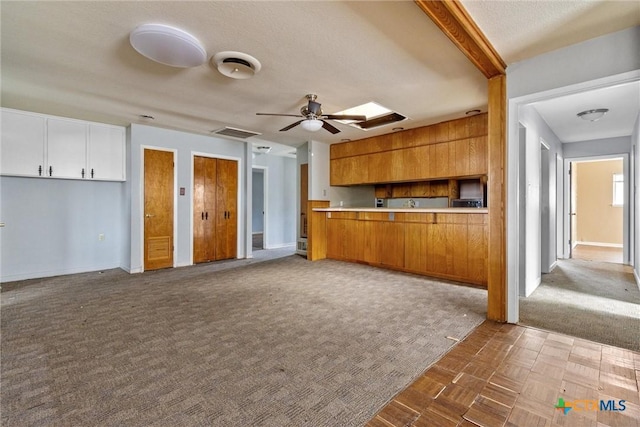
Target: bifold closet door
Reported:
point(204, 209)
point(227, 214)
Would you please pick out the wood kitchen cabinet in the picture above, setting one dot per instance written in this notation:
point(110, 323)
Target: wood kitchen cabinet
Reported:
point(446, 245)
point(215, 187)
point(453, 149)
point(38, 145)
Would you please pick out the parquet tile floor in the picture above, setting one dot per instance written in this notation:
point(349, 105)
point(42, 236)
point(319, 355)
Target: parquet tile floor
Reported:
point(510, 375)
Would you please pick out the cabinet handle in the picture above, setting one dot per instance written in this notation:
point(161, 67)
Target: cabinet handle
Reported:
point(228, 214)
point(50, 170)
point(202, 215)
point(225, 214)
point(206, 216)
point(91, 172)
point(82, 172)
point(39, 170)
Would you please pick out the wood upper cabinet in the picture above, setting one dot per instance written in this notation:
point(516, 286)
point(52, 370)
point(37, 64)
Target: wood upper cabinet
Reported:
point(215, 189)
point(446, 150)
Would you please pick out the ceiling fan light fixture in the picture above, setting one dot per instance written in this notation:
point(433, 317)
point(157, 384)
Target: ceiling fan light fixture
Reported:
point(311, 125)
point(593, 115)
point(236, 65)
point(168, 45)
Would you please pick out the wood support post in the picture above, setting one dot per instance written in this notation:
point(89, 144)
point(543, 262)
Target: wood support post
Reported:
point(497, 269)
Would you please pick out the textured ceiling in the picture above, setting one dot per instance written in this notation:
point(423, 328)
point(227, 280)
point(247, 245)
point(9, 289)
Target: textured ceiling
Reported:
point(73, 59)
point(521, 29)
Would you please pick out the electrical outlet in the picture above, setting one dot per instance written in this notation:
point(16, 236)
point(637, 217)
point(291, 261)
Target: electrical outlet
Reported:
point(100, 236)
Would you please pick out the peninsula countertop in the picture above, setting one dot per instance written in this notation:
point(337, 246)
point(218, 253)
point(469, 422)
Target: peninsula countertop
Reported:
point(410, 210)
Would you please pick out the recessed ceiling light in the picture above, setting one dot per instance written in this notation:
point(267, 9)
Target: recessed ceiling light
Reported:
point(236, 65)
point(147, 117)
point(593, 115)
point(168, 45)
point(472, 112)
point(398, 128)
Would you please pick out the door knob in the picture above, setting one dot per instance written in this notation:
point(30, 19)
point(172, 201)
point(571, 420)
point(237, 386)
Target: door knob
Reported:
point(149, 216)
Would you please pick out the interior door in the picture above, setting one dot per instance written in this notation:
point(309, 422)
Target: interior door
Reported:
point(204, 208)
point(158, 209)
point(226, 212)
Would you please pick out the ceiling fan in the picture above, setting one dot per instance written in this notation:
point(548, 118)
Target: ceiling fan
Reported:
point(313, 119)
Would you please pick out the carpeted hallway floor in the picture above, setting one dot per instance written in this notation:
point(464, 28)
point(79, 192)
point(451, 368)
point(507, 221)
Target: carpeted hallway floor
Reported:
point(284, 342)
point(598, 301)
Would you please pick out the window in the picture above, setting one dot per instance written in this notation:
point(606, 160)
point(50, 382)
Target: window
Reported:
point(618, 189)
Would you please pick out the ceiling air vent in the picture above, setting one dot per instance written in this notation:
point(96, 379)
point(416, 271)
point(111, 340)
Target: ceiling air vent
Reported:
point(235, 132)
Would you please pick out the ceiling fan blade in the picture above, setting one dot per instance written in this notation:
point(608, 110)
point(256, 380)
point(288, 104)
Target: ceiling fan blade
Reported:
point(314, 108)
point(344, 117)
point(328, 126)
point(292, 125)
point(275, 114)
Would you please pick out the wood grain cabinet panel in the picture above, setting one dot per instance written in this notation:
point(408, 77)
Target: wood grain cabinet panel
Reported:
point(349, 171)
point(451, 246)
point(478, 156)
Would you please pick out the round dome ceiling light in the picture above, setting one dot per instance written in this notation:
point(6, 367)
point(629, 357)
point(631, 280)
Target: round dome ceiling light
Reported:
point(168, 45)
point(236, 65)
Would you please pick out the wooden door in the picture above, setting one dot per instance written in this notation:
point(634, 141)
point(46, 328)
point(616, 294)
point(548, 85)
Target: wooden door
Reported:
point(204, 209)
point(227, 209)
point(158, 209)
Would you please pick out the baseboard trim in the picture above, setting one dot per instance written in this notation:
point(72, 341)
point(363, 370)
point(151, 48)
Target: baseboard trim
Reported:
point(636, 275)
point(608, 245)
point(552, 266)
point(53, 273)
point(283, 245)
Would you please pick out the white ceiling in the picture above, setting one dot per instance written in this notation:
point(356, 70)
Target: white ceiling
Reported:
point(73, 59)
point(623, 102)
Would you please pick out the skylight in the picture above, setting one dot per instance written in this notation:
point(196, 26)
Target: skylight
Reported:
point(376, 114)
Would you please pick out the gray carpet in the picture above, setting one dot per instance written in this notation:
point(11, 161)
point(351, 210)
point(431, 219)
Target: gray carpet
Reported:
point(598, 301)
point(285, 342)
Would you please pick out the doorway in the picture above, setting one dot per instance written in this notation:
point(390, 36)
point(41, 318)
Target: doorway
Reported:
point(596, 209)
point(258, 218)
point(158, 209)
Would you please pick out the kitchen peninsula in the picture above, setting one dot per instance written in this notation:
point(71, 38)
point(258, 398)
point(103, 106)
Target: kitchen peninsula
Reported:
point(440, 161)
point(449, 243)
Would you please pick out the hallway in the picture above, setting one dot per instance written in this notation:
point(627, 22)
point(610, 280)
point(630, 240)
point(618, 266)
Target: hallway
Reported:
point(598, 301)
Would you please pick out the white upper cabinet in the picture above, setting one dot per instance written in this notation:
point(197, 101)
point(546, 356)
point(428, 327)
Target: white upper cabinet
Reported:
point(66, 148)
point(53, 147)
point(22, 151)
point(106, 153)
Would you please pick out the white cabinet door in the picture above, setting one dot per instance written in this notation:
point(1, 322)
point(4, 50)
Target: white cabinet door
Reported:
point(106, 153)
point(23, 141)
point(66, 149)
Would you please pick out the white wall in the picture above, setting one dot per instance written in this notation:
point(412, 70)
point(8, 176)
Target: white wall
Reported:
point(635, 200)
point(539, 200)
point(52, 227)
point(595, 63)
point(185, 144)
point(281, 206)
point(604, 56)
